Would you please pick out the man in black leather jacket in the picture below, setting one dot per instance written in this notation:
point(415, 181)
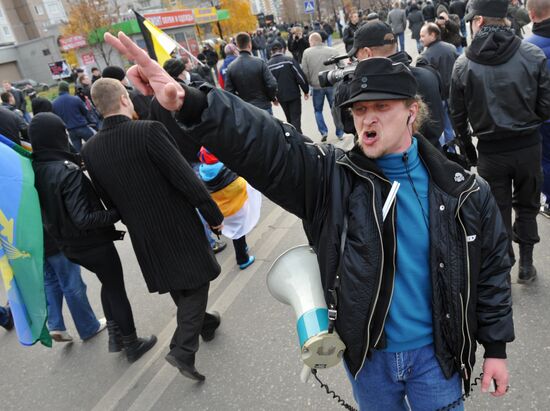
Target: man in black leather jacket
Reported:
point(501, 86)
point(457, 234)
point(249, 77)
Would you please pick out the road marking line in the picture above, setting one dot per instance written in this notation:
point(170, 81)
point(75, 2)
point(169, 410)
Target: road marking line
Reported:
point(134, 372)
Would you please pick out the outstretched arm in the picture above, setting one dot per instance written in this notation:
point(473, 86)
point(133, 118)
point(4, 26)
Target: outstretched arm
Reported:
point(275, 160)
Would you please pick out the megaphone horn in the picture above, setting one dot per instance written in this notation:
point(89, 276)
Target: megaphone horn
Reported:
point(295, 279)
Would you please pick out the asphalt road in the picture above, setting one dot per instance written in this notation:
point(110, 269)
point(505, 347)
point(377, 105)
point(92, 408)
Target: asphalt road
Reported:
point(253, 364)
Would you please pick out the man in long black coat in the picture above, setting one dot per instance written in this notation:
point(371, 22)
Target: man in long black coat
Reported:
point(136, 167)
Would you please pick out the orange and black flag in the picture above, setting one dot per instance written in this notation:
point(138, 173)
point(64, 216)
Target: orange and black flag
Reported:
point(160, 45)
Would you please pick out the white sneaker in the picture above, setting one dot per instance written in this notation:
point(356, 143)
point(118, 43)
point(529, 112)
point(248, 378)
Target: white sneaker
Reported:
point(61, 336)
point(102, 326)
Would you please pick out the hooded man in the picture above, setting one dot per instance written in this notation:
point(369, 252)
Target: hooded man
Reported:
point(501, 87)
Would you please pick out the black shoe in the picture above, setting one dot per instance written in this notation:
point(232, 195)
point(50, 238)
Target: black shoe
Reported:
point(9, 325)
point(219, 246)
point(115, 337)
point(209, 330)
point(136, 347)
point(324, 138)
point(527, 274)
point(187, 370)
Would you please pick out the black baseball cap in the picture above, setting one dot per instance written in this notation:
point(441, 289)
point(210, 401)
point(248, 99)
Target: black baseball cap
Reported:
point(371, 34)
point(487, 8)
point(379, 78)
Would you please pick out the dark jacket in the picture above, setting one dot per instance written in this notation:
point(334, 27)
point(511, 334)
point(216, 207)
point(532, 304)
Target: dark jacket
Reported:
point(450, 33)
point(320, 184)
point(349, 33)
point(416, 21)
point(187, 147)
point(211, 57)
point(71, 210)
point(136, 166)
point(458, 7)
point(428, 11)
point(290, 77)
point(250, 79)
point(140, 101)
point(501, 86)
point(297, 46)
point(20, 100)
point(71, 110)
point(518, 17)
point(430, 89)
point(441, 56)
point(12, 125)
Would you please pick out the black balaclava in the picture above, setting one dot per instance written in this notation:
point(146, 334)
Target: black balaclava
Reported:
point(48, 133)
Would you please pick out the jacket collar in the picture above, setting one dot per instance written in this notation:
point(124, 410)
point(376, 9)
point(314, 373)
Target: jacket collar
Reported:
point(113, 121)
point(55, 155)
point(445, 174)
point(245, 53)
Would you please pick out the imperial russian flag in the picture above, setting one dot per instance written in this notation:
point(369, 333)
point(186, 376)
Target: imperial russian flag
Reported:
point(21, 244)
point(160, 45)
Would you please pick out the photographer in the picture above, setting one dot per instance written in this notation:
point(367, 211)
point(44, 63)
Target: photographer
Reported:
point(297, 43)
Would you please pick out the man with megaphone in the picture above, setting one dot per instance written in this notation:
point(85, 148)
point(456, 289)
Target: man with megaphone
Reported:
point(416, 290)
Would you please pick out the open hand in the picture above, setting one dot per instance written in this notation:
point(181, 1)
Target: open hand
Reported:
point(147, 75)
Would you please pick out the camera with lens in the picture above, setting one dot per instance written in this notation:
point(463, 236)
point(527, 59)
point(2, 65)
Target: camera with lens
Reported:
point(329, 78)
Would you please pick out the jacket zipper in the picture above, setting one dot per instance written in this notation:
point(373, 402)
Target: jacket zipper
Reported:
point(393, 280)
point(381, 265)
point(465, 307)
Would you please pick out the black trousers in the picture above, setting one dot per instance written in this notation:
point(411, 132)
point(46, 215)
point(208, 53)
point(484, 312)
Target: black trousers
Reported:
point(293, 113)
point(241, 250)
point(192, 318)
point(104, 262)
point(515, 180)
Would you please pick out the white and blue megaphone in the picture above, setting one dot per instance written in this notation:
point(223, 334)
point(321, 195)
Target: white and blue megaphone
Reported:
point(294, 279)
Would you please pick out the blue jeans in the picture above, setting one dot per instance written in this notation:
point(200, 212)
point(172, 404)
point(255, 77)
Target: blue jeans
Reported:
point(401, 38)
point(448, 132)
point(388, 377)
point(318, 95)
point(79, 134)
point(545, 135)
point(329, 40)
point(62, 278)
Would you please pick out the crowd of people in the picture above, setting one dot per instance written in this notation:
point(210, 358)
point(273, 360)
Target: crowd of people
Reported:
point(418, 285)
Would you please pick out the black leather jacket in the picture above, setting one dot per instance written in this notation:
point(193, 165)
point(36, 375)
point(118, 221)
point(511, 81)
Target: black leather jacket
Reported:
point(469, 261)
point(501, 86)
point(250, 79)
point(71, 210)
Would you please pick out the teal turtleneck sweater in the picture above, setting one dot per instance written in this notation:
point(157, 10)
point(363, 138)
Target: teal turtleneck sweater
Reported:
point(409, 322)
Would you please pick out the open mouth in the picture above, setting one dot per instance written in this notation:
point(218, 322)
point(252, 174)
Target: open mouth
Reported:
point(370, 137)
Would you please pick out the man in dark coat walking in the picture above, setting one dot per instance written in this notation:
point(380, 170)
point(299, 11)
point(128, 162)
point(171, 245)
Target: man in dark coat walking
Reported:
point(290, 78)
point(136, 167)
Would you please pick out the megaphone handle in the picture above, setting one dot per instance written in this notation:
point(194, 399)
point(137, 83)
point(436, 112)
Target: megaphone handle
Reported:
point(305, 374)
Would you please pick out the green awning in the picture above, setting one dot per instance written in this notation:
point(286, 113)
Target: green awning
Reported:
point(223, 14)
point(128, 27)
